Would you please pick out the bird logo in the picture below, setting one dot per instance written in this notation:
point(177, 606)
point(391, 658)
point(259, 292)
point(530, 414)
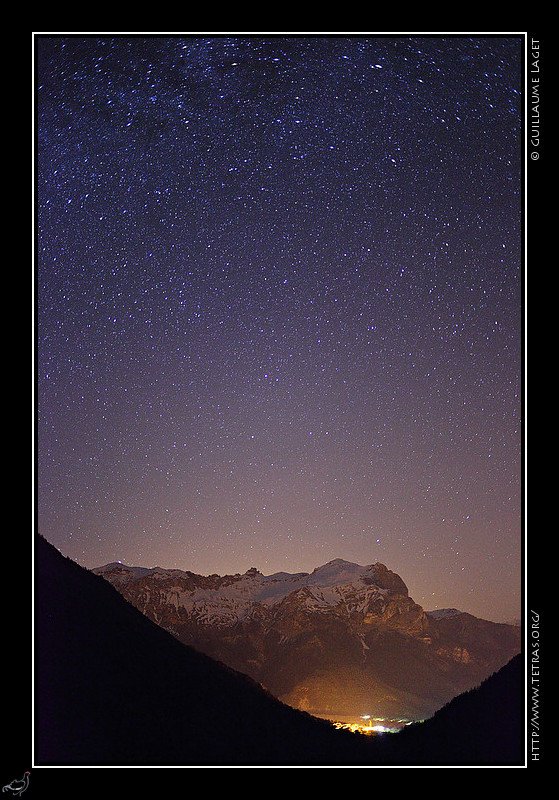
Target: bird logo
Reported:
point(17, 787)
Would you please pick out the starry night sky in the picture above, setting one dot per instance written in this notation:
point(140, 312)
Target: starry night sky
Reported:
point(279, 305)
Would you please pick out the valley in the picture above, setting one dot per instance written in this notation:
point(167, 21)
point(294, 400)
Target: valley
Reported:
point(339, 642)
point(114, 688)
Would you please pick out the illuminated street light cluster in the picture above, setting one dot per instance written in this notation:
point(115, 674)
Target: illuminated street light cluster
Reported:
point(370, 728)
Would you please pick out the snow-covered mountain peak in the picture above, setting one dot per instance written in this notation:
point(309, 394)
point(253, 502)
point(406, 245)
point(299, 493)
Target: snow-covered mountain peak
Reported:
point(443, 613)
point(336, 573)
point(230, 598)
point(117, 572)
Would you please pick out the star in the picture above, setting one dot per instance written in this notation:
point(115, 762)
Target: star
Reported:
point(279, 304)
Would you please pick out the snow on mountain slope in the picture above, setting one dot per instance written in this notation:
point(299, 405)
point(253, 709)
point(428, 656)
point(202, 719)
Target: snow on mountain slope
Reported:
point(443, 613)
point(231, 598)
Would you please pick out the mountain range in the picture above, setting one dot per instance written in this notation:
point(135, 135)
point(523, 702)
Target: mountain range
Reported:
point(340, 642)
point(112, 688)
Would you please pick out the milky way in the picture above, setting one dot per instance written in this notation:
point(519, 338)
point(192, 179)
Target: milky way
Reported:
point(279, 301)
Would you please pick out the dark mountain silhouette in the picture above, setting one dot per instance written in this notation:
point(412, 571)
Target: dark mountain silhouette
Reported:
point(484, 726)
point(114, 688)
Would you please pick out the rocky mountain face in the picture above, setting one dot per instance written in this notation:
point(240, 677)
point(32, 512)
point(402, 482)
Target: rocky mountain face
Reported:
point(342, 641)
